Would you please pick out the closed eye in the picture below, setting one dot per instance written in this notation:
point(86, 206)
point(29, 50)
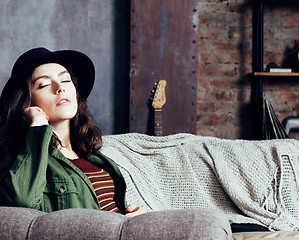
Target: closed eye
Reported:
point(43, 86)
point(66, 80)
point(43, 83)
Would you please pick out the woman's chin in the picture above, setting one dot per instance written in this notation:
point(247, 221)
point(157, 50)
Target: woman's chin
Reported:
point(64, 118)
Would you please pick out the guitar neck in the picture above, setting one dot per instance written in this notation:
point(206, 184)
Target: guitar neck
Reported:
point(158, 122)
point(159, 100)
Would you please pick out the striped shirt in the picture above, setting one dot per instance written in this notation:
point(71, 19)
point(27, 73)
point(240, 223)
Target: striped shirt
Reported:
point(102, 183)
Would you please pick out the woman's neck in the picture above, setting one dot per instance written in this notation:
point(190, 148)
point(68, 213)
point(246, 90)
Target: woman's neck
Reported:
point(62, 130)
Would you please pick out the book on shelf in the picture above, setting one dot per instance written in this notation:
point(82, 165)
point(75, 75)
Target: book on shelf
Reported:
point(273, 67)
point(278, 70)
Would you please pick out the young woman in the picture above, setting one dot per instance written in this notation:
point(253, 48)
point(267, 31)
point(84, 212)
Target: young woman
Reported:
point(49, 145)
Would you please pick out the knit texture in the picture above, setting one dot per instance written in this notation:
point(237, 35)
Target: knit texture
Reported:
point(249, 181)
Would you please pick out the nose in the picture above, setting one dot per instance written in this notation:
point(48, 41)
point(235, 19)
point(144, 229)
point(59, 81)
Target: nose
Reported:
point(59, 89)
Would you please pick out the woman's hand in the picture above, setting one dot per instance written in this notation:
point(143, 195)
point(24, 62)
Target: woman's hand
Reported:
point(37, 116)
point(133, 211)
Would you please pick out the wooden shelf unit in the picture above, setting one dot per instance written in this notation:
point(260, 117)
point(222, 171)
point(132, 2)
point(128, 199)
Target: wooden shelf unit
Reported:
point(277, 74)
point(258, 66)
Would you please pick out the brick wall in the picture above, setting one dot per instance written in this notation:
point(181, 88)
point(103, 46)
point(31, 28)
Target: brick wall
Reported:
point(225, 61)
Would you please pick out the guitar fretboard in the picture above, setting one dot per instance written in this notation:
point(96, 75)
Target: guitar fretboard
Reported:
point(158, 122)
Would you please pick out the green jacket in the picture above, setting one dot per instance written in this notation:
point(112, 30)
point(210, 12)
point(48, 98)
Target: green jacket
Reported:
point(40, 177)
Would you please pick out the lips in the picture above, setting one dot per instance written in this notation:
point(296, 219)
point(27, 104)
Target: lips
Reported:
point(63, 101)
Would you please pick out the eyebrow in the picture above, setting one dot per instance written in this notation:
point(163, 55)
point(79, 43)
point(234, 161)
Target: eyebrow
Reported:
point(46, 76)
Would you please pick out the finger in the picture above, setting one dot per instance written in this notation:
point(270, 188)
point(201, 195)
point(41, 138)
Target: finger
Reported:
point(132, 214)
point(136, 211)
point(131, 208)
point(37, 116)
point(41, 111)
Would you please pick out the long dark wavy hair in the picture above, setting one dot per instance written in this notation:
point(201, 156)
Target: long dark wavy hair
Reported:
point(86, 136)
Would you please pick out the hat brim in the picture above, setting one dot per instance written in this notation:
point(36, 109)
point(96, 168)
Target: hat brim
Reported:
point(74, 61)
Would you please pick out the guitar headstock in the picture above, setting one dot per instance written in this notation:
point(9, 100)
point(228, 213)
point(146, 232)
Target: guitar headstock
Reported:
point(159, 98)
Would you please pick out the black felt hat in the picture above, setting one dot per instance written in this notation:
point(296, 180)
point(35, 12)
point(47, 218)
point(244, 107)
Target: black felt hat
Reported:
point(74, 61)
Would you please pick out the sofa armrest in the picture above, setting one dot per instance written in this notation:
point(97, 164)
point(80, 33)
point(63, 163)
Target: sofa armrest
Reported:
point(25, 223)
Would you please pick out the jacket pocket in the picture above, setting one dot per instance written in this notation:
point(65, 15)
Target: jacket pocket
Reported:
point(60, 194)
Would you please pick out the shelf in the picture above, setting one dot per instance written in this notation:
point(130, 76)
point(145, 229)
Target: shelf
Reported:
point(277, 74)
point(258, 74)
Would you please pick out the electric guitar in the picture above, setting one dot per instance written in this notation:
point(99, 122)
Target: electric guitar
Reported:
point(158, 101)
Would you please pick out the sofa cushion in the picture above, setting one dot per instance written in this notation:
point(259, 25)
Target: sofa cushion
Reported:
point(15, 221)
point(77, 224)
point(25, 223)
point(177, 224)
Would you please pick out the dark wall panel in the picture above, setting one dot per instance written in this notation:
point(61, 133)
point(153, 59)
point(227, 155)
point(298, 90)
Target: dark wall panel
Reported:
point(164, 46)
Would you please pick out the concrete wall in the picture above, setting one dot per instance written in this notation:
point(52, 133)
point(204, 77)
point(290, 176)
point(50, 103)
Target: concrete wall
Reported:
point(97, 28)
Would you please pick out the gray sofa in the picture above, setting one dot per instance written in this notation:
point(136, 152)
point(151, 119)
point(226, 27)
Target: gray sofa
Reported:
point(24, 223)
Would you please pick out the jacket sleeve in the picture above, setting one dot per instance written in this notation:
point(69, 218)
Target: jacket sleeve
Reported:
point(23, 174)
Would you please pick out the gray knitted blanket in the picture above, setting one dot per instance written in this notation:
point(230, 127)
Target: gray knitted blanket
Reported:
point(249, 181)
